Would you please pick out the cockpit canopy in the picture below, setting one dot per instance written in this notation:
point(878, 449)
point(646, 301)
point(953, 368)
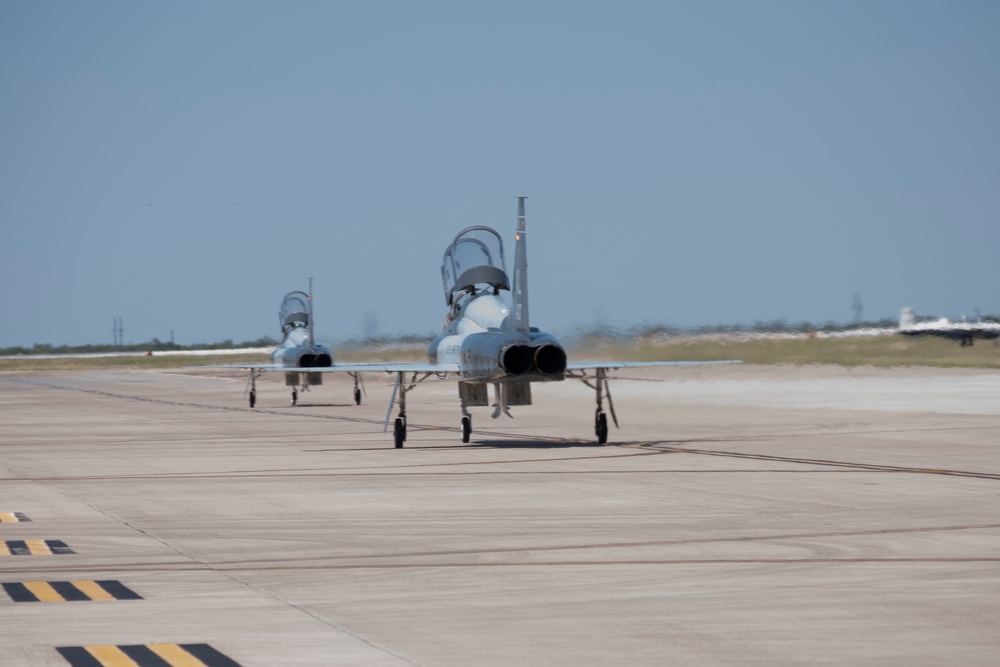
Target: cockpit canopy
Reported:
point(474, 258)
point(294, 311)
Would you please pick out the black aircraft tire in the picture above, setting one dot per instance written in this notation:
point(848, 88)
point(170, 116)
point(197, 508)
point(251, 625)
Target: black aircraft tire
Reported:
point(399, 433)
point(295, 397)
point(466, 429)
point(253, 398)
point(602, 428)
point(357, 397)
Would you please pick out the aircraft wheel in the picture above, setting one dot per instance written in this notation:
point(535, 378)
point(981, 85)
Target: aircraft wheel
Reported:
point(357, 396)
point(601, 428)
point(466, 429)
point(253, 398)
point(399, 432)
point(295, 397)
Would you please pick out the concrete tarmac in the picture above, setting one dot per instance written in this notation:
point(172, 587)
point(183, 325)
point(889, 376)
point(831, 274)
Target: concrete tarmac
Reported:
point(741, 516)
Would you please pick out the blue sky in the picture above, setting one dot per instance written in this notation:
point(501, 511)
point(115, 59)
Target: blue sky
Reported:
point(184, 165)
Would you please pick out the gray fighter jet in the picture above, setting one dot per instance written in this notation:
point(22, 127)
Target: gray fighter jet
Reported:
point(486, 341)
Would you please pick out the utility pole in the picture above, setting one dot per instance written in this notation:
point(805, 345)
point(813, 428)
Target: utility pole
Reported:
point(859, 309)
point(118, 332)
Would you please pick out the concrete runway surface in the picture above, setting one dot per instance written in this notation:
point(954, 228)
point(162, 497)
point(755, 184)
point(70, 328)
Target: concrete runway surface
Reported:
point(741, 516)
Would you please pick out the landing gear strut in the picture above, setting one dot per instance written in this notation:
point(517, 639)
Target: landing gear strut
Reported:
point(399, 426)
point(252, 385)
point(357, 387)
point(401, 388)
point(600, 417)
point(466, 421)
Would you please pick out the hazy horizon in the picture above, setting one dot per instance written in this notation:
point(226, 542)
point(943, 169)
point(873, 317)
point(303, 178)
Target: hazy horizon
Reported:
point(184, 165)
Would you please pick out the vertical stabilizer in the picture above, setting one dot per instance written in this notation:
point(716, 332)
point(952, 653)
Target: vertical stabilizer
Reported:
point(519, 315)
point(312, 330)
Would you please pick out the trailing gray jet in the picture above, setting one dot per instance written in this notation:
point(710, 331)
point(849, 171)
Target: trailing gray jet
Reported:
point(301, 358)
point(488, 342)
point(964, 332)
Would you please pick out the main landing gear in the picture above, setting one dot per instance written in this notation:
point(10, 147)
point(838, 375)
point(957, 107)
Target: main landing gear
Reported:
point(401, 388)
point(358, 387)
point(600, 385)
point(466, 418)
point(252, 385)
point(601, 427)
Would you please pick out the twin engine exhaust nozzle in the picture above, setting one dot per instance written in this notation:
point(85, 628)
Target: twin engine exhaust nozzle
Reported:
point(321, 360)
point(543, 359)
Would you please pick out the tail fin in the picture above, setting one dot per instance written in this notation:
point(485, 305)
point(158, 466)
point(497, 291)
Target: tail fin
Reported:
point(906, 318)
point(519, 316)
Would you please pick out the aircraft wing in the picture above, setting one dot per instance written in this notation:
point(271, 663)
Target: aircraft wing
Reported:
point(423, 367)
point(349, 367)
point(585, 365)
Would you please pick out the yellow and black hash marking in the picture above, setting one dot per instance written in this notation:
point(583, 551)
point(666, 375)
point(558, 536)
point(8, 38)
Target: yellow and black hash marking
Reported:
point(146, 655)
point(12, 517)
point(69, 591)
point(34, 548)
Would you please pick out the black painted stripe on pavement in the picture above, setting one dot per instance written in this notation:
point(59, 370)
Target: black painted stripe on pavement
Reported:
point(144, 656)
point(68, 591)
point(78, 656)
point(118, 590)
point(17, 547)
point(209, 655)
point(19, 593)
point(59, 547)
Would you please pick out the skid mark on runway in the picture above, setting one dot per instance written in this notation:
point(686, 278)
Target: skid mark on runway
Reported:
point(317, 562)
point(817, 462)
point(637, 544)
point(284, 413)
point(652, 446)
point(619, 563)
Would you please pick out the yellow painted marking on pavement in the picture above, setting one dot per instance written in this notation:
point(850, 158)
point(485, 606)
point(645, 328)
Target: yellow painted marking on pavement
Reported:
point(111, 656)
point(175, 655)
point(43, 591)
point(8, 517)
point(4, 549)
point(38, 548)
point(93, 590)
